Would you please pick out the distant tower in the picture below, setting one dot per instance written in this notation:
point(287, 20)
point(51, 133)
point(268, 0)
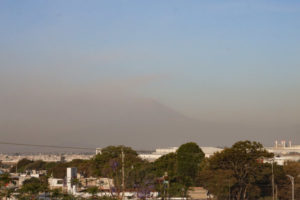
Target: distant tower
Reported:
point(71, 175)
point(290, 143)
point(98, 150)
point(276, 144)
point(62, 158)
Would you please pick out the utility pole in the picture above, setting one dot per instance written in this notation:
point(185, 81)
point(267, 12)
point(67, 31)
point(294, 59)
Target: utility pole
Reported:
point(276, 192)
point(293, 187)
point(273, 188)
point(123, 174)
point(229, 194)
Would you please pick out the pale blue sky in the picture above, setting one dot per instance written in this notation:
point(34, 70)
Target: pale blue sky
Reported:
point(222, 61)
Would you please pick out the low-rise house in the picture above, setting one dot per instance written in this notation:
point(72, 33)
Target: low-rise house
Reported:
point(104, 184)
point(23, 177)
point(29, 174)
point(199, 193)
point(56, 183)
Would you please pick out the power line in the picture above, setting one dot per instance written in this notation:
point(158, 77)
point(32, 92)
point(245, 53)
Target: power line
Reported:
point(59, 147)
point(46, 146)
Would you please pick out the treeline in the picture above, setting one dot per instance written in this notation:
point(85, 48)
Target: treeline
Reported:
point(235, 173)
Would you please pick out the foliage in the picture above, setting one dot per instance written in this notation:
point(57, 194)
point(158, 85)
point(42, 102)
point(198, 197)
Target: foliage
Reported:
point(68, 197)
point(189, 157)
point(166, 163)
point(109, 164)
point(111, 153)
point(181, 169)
point(93, 191)
point(36, 165)
point(292, 169)
point(7, 192)
point(84, 167)
point(235, 170)
point(4, 179)
point(20, 166)
point(33, 186)
point(56, 194)
point(107, 198)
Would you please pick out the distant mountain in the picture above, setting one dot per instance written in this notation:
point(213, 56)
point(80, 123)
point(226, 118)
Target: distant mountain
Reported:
point(98, 118)
point(85, 118)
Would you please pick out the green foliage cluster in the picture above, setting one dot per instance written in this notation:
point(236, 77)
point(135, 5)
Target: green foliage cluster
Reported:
point(109, 164)
point(234, 173)
point(182, 169)
point(32, 187)
point(238, 173)
point(84, 167)
point(189, 157)
point(141, 176)
point(5, 179)
point(56, 169)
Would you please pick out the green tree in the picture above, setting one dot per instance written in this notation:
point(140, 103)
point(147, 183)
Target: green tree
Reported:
point(68, 197)
point(113, 153)
point(7, 192)
point(235, 170)
point(36, 165)
point(164, 169)
point(93, 191)
point(166, 163)
point(189, 157)
point(109, 164)
point(56, 194)
point(4, 179)
point(285, 187)
point(33, 187)
point(21, 165)
point(4, 190)
point(176, 172)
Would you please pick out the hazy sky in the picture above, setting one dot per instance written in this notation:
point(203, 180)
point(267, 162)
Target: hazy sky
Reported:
point(209, 71)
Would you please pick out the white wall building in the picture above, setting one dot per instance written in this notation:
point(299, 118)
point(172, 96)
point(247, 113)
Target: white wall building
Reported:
point(282, 148)
point(208, 151)
point(55, 183)
point(71, 174)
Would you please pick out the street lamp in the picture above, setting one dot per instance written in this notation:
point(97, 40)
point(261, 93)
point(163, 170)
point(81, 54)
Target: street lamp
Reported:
point(272, 160)
point(293, 188)
point(273, 189)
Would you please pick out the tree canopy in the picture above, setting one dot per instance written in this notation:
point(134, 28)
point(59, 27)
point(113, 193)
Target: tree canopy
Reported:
point(33, 187)
point(234, 171)
point(189, 157)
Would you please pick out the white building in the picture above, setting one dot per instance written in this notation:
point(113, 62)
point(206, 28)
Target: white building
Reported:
point(23, 177)
point(98, 151)
point(282, 159)
point(55, 183)
point(71, 174)
point(208, 151)
point(283, 148)
point(284, 152)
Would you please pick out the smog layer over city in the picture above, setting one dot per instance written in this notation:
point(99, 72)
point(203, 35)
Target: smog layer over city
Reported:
point(128, 99)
